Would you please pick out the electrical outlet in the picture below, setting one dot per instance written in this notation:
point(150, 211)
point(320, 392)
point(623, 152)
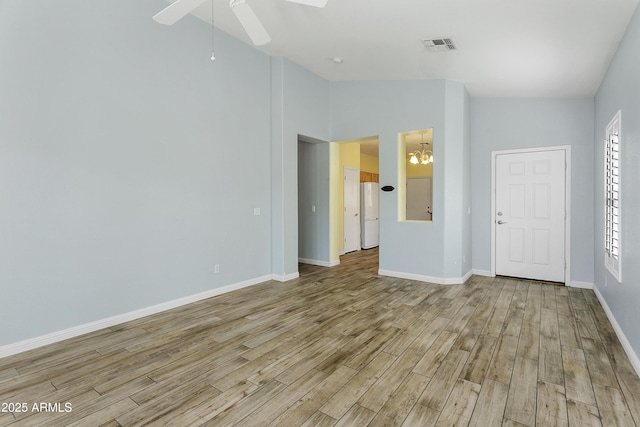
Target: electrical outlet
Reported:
point(256, 211)
point(216, 268)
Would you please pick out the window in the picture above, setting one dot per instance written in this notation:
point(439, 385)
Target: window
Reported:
point(612, 235)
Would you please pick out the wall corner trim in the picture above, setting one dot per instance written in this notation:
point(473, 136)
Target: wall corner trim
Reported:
point(429, 279)
point(467, 276)
point(631, 354)
point(285, 277)
point(318, 262)
point(582, 285)
point(31, 343)
point(486, 273)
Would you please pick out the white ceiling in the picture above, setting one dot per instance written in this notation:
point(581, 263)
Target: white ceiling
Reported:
point(505, 48)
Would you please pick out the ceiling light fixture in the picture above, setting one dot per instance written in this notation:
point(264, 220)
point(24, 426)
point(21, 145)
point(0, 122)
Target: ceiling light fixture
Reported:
point(337, 60)
point(422, 156)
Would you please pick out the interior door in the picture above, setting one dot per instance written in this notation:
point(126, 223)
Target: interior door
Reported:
point(351, 209)
point(418, 199)
point(530, 215)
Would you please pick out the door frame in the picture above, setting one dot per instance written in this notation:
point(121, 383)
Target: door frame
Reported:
point(357, 172)
point(567, 203)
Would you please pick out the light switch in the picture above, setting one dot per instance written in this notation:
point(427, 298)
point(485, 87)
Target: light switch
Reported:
point(313, 208)
point(256, 211)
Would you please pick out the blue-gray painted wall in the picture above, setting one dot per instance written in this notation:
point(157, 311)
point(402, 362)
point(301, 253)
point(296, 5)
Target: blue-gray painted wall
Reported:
point(313, 192)
point(620, 90)
point(306, 113)
point(456, 187)
point(501, 124)
point(301, 107)
point(386, 109)
point(130, 164)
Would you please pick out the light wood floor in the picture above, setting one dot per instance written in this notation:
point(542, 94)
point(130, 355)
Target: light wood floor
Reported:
point(344, 347)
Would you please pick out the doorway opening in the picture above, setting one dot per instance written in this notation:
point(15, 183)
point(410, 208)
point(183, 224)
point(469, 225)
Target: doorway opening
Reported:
point(351, 216)
point(321, 199)
point(354, 196)
point(313, 202)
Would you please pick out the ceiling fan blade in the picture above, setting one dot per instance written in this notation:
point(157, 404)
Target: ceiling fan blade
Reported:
point(175, 11)
point(314, 3)
point(250, 22)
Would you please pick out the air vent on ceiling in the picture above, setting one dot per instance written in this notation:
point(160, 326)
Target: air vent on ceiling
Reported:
point(439, 45)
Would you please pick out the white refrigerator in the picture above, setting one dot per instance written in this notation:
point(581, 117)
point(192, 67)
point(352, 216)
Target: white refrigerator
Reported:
point(369, 215)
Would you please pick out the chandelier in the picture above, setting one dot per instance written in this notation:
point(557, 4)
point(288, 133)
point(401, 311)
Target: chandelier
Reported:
point(421, 156)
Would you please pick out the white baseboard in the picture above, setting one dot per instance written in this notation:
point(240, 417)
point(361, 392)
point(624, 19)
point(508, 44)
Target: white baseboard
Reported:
point(29, 344)
point(573, 284)
point(631, 354)
point(430, 279)
point(583, 285)
point(319, 263)
point(467, 276)
point(285, 277)
point(486, 273)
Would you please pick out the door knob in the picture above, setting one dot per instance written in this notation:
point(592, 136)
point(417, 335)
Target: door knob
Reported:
point(500, 222)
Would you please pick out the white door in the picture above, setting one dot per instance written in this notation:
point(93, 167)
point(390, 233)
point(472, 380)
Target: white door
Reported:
point(530, 215)
point(351, 210)
point(418, 199)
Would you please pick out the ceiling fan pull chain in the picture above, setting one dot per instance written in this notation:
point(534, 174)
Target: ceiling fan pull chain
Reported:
point(213, 56)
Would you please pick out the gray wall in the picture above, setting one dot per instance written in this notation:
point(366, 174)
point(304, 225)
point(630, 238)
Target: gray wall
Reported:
point(130, 164)
point(501, 124)
point(385, 109)
point(313, 190)
point(467, 218)
point(620, 90)
point(300, 106)
point(457, 239)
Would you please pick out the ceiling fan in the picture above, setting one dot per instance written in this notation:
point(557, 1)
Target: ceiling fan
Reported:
point(248, 19)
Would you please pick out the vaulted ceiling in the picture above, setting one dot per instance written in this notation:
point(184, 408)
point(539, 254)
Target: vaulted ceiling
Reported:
point(504, 48)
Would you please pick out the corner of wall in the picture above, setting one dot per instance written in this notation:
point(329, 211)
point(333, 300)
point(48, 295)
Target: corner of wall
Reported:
point(628, 348)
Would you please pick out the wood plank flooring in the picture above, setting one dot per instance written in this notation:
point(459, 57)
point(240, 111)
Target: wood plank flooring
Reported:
point(341, 347)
